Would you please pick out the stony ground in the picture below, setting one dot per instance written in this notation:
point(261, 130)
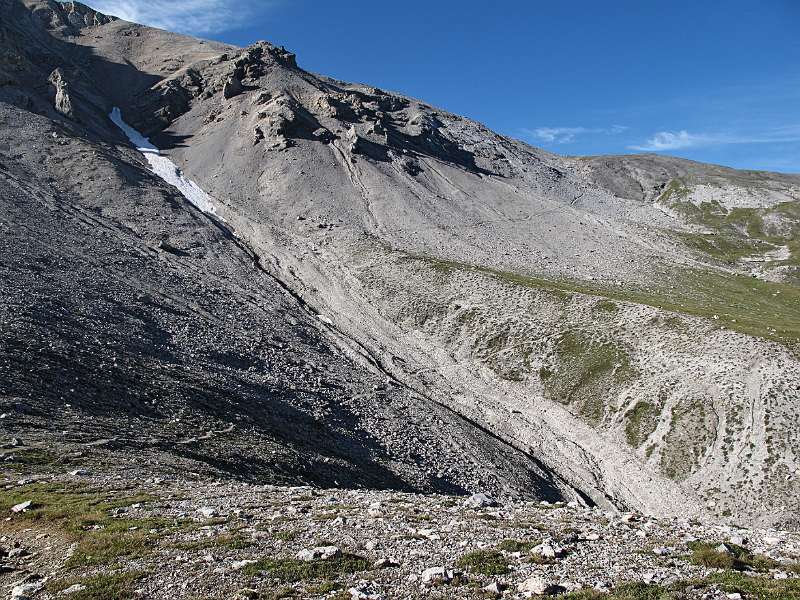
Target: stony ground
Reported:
point(110, 535)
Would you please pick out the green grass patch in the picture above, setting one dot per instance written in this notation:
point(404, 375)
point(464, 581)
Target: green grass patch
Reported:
point(625, 591)
point(737, 557)
point(324, 588)
point(739, 232)
point(586, 369)
point(84, 514)
point(484, 562)
point(105, 547)
point(290, 570)
point(108, 586)
point(675, 190)
point(641, 421)
point(755, 588)
point(762, 309)
point(728, 249)
point(750, 587)
point(605, 306)
point(27, 458)
point(232, 541)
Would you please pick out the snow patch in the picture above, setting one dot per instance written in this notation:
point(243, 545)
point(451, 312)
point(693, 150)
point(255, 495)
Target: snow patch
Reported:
point(165, 168)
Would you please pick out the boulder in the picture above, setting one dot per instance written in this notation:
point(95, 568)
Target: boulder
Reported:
point(539, 586)
point(207, 512)
point(546, 550)
point(233, 87)
point(25, 591)
point(73, 589)
point(440, 576)
point(479, 500)
point(21, 507)
point(385, 563)
point(319, 553)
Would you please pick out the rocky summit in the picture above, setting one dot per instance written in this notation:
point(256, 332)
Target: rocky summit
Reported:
point(267, 334)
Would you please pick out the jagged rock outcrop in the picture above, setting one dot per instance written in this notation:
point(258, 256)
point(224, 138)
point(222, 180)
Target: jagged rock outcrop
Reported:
point(63, 97)
point(232, 88)
point(69, 17)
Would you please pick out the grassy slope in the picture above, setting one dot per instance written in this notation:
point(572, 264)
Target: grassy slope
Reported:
point(744, 304)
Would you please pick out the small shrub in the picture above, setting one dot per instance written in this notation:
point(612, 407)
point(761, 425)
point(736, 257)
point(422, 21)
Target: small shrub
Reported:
point(325, 587)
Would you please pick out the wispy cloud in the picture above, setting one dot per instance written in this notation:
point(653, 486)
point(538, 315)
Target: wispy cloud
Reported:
point(677, 140)
point(185, 16)
point(565, 135)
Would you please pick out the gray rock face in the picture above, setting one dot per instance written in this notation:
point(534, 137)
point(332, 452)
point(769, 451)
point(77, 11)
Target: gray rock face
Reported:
point(63, 100)
point(80, 16)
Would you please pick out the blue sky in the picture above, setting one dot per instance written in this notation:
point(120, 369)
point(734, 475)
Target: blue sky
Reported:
point(712, 80)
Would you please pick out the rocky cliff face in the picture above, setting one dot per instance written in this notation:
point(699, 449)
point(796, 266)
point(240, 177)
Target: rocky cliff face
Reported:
point(626, 328)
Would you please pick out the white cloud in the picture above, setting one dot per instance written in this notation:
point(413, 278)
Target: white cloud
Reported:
point(565, 135)
point(185, 16)
point(676, 140)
